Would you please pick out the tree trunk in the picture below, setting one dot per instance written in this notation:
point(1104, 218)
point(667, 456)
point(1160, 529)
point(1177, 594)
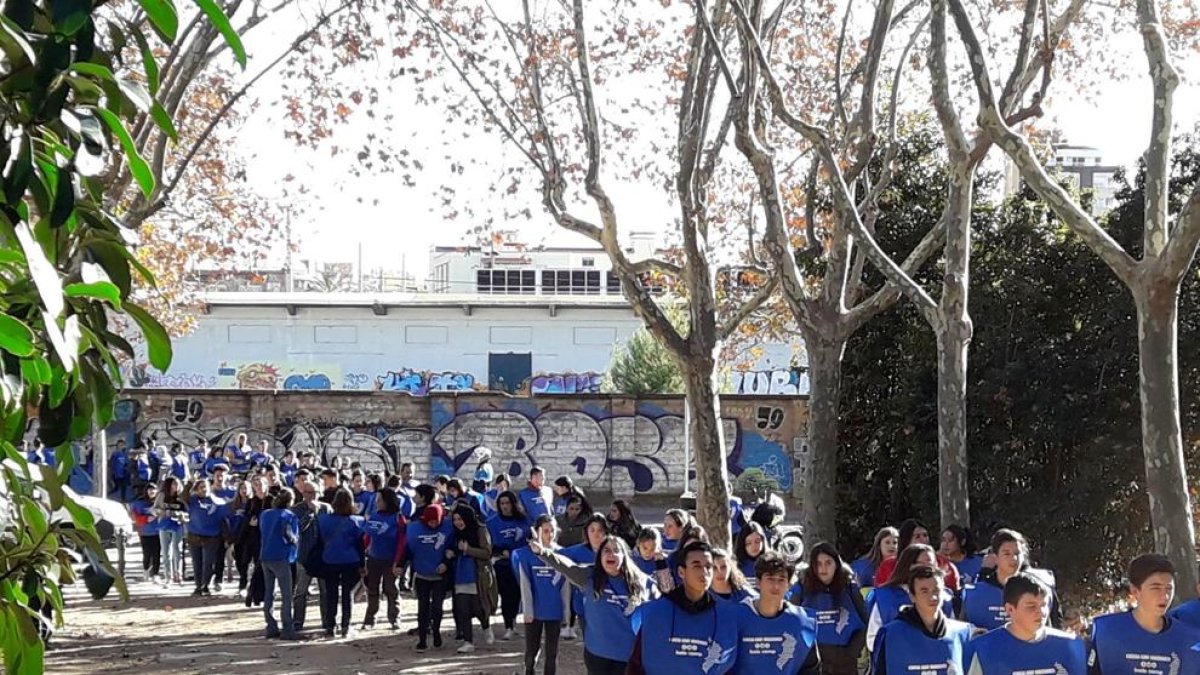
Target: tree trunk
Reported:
point(1162, 435)
point(953, 337)
point(816, 475)
point(708, 449)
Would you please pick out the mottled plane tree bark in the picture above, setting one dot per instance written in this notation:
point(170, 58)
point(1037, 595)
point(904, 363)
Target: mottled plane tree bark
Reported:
point(1168, 249)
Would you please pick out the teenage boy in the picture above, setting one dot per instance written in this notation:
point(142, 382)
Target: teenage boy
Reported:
point(687, 632)
point(1025, 643)
point(773, 634)
point(536, 498)
point(922, 638)
point(1143, 640)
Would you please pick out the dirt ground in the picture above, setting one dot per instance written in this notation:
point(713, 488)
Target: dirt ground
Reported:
point(166, 630)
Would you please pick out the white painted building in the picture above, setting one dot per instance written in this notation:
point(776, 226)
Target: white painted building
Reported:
point(409, 342)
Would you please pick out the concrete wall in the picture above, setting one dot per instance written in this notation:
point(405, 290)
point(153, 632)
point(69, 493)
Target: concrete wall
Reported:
point(608, 443)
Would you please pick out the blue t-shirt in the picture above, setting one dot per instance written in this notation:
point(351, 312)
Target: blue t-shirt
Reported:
point(536, 502)
point(151, 528)
point(837, 617)
point(205, 515)
point(120, 465)
point(343, 539)
point(484, 473)
point(611, 626)
point(384, 530)
point(674, 641)
point(1188, 612)
point(279, 530)
point(983, 605)
point(969, 568)
point(999, 652)
point(907, 649)
point(364, 503)
point(427, 546)
point(546, 585)
point(1122, 647)
point(507, 534)
point(780, 644)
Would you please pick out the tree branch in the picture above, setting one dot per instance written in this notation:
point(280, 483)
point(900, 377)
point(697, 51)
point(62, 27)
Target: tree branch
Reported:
point(748, 307)
point(883, 299)
point(1158, 153)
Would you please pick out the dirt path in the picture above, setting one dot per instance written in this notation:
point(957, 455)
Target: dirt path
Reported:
point(167, 631)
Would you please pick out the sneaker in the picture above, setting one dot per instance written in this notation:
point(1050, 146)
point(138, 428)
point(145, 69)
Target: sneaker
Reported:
point(508, 635)
point(466, 648)
point(568, 633)
point(488, 637)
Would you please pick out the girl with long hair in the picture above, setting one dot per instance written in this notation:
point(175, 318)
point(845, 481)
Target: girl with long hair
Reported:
point(751, 543)
point(510, 532)
point(171, 509)
point(673, 523)
point(205, 513)
point(612, 591)
point(886, 545)
point(564, 488)
point(622, 523)
point(545, 596)
point(595, 531)
point(829, 594)
point(341, 559)
point(148, 528)
point(235, 520)
point(386, 528)
point(913, 532)
point(728, 582)
point(886, 600)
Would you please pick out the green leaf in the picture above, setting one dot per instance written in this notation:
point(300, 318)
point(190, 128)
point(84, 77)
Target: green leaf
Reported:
point(64, 199)
point(115, 265)
point(44, 275)
point(221, 22)
point(70, 15)
point(94, 69)
point(15, 337)
point(158, 343)
point(163, 17)
point(100, 290)
point(137, 166)
point(36, 371)
point(163, 120)
point(13, 38)
point(136, 94)
point(149, 63)
point(19, 171)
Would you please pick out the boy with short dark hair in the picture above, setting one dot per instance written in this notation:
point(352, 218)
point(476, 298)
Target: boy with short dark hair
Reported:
point(1025, 643)
point(773, 634)
point(922, 638)
point(1144, 640)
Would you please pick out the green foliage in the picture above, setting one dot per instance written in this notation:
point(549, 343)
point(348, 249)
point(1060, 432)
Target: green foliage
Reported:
point(754, 480)
point(65, 270)
point(643, 366)
point(1052, 400)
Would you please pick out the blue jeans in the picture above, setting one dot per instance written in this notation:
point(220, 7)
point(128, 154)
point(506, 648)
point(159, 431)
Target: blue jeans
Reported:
point(280, 570)
point(172, 553)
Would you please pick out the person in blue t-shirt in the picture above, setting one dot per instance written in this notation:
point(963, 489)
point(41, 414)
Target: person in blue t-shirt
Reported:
point(983, 602)
point(288, 468)
point(1188, 612)
point(387, 528)
point(170, 509)
point(364, 496)
point(342, 559)
point(429, 536)
point(958, 547)
point(261, 456)
point(205, 516)
point(885, 602)
point(118, 464)
point(196, 459)
point(499, 486)
point(829, 593)
point(1144, 640)
point(613, 590)
point(687, 631)
point(279, 529)
point(1026, 643)
point(729, 584)
point(546, 596)
point(674, 523)
point(922, 638)
point(648, 554)
point(536, 498)
point(773, 635)
point(462, 497)
point(483, 471)
point(751, 543)
point(510, 533)
point(147, 526)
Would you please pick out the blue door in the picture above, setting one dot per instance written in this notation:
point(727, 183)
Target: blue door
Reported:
point(507, 372)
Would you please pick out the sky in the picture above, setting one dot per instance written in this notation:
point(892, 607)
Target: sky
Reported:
point(387, 223)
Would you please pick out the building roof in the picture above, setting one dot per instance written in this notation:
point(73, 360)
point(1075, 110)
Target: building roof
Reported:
point(380, 302)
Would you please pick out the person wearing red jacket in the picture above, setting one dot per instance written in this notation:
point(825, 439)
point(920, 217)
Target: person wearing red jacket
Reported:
point(912, 532)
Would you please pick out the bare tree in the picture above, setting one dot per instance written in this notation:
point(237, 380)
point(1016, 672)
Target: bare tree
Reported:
point(1169, 246)
point(829, 312)
point(552, 59)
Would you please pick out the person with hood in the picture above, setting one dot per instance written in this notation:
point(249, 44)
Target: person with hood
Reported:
point(536, 498)
point(307, 512)
point(922, 638)
point(387, 529)
point(475, 595)
point(828, 592)
point(509, 533)
point(613, 591)
point(983, 601)
point(774, 635)
point(687, 630)
point(427, 539)
point(545, 595)
point(279, 532)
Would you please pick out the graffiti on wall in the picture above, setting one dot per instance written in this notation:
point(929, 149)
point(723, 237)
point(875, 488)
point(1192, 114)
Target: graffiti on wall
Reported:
point(562, 383)
point(596, 448)
point(422, 382)
point(778, 382)
point(269, 375)
point(142, 375)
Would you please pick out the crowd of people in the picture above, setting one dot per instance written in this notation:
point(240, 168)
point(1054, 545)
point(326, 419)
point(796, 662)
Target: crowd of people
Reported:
point(658, 599)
